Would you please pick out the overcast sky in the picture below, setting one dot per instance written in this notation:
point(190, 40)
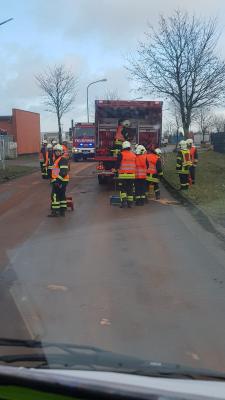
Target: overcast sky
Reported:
point(91, 37)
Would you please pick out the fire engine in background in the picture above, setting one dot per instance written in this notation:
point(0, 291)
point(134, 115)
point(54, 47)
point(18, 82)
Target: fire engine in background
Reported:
point(145, 128)
point(83, 141)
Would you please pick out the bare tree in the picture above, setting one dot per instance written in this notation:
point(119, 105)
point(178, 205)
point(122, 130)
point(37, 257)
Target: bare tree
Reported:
point(59, 87)
point(218, 123)
point(179, 61)
point(204, 120)
point(112, 95)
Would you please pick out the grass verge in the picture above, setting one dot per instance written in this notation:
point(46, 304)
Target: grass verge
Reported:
point(15, 171)
point(209, 191)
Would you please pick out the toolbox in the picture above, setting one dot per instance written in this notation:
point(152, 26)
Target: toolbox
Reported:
point(115, 200)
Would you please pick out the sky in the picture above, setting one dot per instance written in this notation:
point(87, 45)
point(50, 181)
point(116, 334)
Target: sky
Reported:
point(92, 38)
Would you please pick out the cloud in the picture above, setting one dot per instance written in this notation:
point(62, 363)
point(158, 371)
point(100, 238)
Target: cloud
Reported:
point(90, 37)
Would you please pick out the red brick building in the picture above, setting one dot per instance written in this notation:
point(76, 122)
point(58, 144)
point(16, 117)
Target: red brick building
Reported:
point(24, 127)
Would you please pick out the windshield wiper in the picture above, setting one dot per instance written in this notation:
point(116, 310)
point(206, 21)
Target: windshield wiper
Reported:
point(94, 358)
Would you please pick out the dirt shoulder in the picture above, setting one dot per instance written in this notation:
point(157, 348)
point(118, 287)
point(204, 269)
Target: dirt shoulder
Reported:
point(209, 191)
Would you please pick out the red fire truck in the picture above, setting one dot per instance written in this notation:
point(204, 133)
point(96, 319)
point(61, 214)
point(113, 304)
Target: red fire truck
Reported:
point(83, 141)
point(145, 128)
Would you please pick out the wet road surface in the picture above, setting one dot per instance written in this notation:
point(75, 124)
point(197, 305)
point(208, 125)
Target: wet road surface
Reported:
point(147, 281)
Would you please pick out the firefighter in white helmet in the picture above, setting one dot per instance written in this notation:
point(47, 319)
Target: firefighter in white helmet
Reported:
point(154, 172)
point(194, 159)
point(126, 167)
point(140, 175)
point(60, 179)
point(183, 165)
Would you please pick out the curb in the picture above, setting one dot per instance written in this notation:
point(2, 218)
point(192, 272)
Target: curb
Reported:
point(196, 211)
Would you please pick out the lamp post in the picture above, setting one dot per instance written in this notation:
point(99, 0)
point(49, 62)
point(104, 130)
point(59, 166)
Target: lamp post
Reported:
point(92, 83)
point(5, 22)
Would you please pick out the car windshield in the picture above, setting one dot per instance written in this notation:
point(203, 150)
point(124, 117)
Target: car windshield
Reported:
point(112, 186)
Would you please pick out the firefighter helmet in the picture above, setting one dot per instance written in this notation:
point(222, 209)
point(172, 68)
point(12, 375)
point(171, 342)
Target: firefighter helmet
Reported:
point(126, 123)
point(183, 145)
point(158, 152)
point(58, 147)
point(189, 142)
point(126, 145)
point(140, 149)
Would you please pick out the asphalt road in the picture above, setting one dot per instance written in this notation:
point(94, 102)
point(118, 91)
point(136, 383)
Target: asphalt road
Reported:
point(147, 281)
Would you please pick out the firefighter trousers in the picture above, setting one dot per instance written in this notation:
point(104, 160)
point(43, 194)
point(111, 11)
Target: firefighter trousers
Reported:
point(58, 197)
point(44, 171)
point(192, 174)
point(126, 190)
point(155, 187)
point(140, 189)
point(184, 181)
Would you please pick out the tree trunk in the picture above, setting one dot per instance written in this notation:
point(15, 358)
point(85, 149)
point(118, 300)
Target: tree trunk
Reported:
point(203, 136)
point(60, 130)
point(186, 130)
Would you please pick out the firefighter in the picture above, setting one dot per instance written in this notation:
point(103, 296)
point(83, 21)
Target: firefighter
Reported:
point(194, 159)
point(65, 149)
point(42, 158)
point(126, 168)
point(183, 165)
point(51, 159)
point(140, 175)
point(154, 172)
point(60, 179)
point(120, 136)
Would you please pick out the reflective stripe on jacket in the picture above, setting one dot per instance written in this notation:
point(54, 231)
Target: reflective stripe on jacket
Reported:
point(141, 166)
point(152, 160)
point(57, 168)
point(154, 169)
point(127, 166)
point(183, 162)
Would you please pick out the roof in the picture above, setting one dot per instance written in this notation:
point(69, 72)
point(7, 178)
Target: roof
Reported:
point(129, 103)
point(5, 118)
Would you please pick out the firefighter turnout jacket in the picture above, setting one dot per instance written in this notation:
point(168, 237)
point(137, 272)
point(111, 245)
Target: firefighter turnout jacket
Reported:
point(183, 162)
point(142, 165)
point(126, 165)
point(60, 170)
point(154, 170)
point(194, 156)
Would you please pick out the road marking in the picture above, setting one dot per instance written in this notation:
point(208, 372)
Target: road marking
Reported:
point(105, 321)
point(27, 310)
point(193, 355)
point(57, 287)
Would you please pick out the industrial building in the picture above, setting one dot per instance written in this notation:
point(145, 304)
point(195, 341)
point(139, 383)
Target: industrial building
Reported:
point(23, 127)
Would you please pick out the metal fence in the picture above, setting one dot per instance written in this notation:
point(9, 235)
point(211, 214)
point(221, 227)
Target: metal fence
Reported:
point(8, 149)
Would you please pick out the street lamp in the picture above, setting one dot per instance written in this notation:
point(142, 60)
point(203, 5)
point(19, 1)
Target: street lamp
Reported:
point(92, 83)
point(7, 20)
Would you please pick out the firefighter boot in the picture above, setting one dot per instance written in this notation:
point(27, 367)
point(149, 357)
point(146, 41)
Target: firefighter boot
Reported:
point(157, 195)
point(62, 212)
point(53, 214)
point(123, 204)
